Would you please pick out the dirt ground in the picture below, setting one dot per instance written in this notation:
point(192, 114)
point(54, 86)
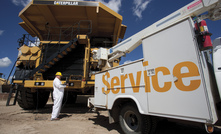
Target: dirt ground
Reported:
point(75, 119)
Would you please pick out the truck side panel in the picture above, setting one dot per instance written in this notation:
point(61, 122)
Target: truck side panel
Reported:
point(171, 81)
point(177, 85)
point(126, 81)
point(131, 85)
point(99, 91)
point(217, 62)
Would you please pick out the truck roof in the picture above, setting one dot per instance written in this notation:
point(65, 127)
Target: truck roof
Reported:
point(38, 13)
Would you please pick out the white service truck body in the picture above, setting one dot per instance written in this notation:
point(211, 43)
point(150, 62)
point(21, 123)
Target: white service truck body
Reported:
point(172, 80)
point(217, 61)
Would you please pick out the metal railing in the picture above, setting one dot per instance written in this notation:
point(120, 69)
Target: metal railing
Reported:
point(68, 33)
point(54, 34)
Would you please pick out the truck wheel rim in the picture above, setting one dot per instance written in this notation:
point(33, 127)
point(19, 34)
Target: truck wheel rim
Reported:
point(130, 120)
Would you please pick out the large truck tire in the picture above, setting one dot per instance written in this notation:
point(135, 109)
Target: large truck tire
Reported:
point(32, 100)
point(69, 97)
point(132, 122)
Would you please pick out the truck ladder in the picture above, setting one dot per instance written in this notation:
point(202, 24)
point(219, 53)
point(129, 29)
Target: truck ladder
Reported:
point(53, 58)
point(10, 94)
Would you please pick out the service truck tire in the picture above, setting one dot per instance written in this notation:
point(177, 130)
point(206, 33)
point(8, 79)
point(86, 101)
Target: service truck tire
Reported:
point(32, 100)
point(132, 122)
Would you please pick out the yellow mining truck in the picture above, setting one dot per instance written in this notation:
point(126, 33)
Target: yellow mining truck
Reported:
point(61, 37)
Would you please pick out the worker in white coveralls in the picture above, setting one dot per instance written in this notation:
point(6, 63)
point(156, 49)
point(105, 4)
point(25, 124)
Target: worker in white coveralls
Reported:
point(58, 94)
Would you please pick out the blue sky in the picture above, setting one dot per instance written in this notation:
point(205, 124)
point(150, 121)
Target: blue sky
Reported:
point(137, 15)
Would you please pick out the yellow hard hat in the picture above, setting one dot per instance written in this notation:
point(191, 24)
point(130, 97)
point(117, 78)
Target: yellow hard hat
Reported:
point(58, 74)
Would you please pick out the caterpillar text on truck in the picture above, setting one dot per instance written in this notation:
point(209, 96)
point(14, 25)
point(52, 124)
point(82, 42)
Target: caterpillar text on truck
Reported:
point(61, 37)
point(176, 79)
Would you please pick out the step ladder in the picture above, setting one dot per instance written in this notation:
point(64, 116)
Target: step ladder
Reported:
point(54, 58)
point(10, 94)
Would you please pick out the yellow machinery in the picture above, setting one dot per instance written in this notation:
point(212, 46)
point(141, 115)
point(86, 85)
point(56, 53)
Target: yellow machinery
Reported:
point(61, 37)
point(3, 84)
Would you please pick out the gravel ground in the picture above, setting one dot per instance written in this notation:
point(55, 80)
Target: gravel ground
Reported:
point(75, 119)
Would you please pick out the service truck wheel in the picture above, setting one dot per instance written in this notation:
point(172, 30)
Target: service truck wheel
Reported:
point(132, 122)
point(29, 100)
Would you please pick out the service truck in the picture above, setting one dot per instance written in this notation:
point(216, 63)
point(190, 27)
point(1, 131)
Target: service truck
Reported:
point(175, 79)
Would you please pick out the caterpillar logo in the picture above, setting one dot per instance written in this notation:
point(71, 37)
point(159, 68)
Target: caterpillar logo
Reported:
point(65, 3)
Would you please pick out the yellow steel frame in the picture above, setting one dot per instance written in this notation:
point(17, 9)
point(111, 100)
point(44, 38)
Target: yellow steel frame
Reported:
point(78, 84)
point(48, 83)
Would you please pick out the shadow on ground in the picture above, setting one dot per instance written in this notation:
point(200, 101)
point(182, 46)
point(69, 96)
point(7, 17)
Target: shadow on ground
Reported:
point(80, 107)
point(104, 122)
point(167, 127)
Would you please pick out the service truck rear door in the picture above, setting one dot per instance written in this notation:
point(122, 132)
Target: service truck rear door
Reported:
point(177, 88)
point(101, 91)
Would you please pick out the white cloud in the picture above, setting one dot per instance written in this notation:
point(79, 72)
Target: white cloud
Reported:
point(139, 7)
point(1, 32)
point(5, 62)
point(21, 2)
point(112, 4)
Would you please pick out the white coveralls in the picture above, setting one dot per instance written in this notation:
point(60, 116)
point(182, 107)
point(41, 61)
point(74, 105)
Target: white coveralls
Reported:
point(58, 94)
